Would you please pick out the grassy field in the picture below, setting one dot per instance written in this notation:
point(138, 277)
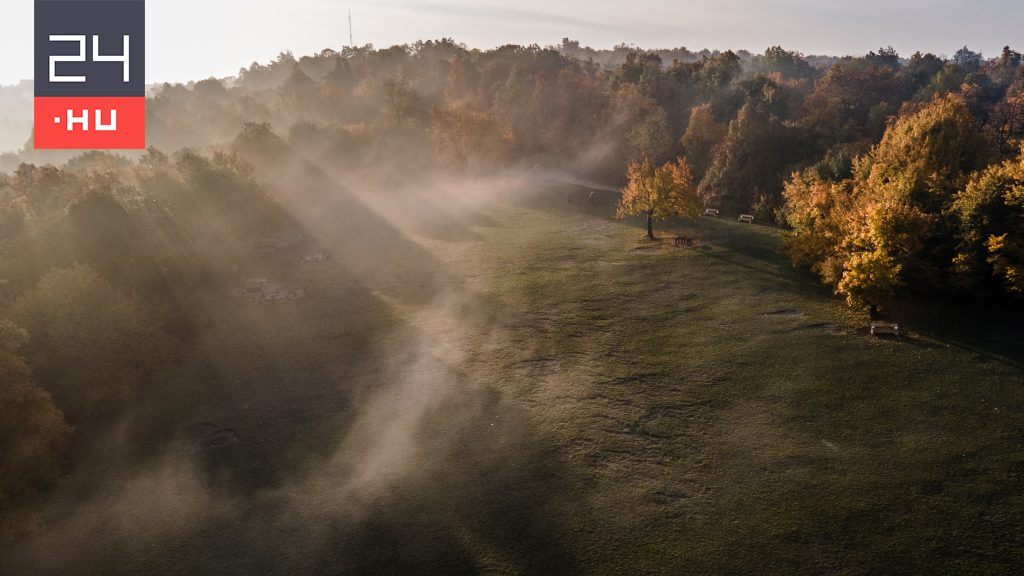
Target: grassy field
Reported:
point(527, 386)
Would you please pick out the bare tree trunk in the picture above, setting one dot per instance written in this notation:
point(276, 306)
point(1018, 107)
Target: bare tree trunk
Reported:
point(650, 225)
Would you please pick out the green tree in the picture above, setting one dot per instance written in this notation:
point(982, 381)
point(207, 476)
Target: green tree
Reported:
point(884, 57)
point(920, 70)
point(659, 193)
point(640, 125)
point(751, 161)
point(968, 59)
point(777, 60)
point(720, 70)
point(703, 133)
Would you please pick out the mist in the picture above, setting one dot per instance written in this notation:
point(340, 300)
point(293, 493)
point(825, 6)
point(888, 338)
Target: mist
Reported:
point(413, 419)
point(392, 312)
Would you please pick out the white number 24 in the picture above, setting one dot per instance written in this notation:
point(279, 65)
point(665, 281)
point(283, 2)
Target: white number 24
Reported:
point(81, 56)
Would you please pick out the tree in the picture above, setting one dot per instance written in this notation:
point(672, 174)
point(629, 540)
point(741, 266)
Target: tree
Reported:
point(659, 193)
point(751, 161)
point(839, 109)
point(719, 70)
point(814, 211)
point(402, 100)
point(1006, 118)
point(702, 135)
point(106, 237)
point(870, 278)
point(967, 59)
point(89, 345)
point(341, 76)
point(46, 188)
point(887, 226)
point(787, 63)
point(884, 57)
point(925, 157)
point(640, 124)
point(990, 212)
point(33, 434)
point(12, 220)
point(920, 70)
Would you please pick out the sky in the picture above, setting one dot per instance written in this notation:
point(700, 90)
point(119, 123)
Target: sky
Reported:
point(196, 39)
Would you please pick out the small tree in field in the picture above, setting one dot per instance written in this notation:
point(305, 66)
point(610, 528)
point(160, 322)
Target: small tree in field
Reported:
point(659, 192)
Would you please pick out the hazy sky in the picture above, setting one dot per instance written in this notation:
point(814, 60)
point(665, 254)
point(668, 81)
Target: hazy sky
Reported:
point(194, 39)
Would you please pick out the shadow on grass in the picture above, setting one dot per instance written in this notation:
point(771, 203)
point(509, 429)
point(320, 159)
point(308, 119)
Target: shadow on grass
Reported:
point(377, 252)
point(992, 331)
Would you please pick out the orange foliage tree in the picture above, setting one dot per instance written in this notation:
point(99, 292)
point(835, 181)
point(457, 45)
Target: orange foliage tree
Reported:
point(659, 193)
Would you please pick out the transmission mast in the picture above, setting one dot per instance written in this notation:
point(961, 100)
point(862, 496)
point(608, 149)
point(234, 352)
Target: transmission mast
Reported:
point(351, 44)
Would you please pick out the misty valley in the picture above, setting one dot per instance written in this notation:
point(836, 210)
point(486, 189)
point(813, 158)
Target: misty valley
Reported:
point(431, 309)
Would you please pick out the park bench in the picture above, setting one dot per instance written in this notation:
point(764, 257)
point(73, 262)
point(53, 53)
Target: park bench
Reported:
point(749, 219)
point(885, 328)
point(711, 212)
point(682, 240)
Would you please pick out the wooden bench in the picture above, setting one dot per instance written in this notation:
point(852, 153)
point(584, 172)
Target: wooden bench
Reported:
point(748, 218)
point(885, 328)
point(681, 240)
point(711, 212)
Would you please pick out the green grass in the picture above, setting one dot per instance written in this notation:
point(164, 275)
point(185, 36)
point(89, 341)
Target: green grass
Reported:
point(726, 416)
point(599, 410)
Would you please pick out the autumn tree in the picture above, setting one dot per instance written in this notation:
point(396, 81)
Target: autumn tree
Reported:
point(840, 107)
point(402, 100)
point(469, 140)
point(659, 193)
point(886, 227)
point(814, 212)
point(908, 185)
point(990, 213)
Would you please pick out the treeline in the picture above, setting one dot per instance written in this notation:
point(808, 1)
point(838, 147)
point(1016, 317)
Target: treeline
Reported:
point(886, 135)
